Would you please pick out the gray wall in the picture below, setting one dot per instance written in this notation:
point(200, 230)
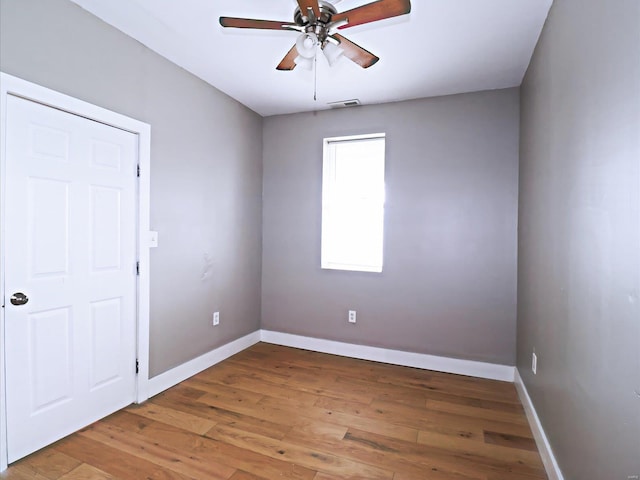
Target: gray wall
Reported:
point(206, 168)
point(449, 280)
point(579, 236)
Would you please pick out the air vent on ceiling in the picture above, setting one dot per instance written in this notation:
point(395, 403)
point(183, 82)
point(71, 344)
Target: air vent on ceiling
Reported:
point(344, 103)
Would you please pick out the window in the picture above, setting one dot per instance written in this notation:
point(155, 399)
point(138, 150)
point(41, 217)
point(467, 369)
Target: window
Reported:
point(353, 203)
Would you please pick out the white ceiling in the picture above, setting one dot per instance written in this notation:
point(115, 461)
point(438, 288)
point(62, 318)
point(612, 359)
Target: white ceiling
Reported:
point(442, 47)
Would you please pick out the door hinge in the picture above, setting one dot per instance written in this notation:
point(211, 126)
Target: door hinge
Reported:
point(138, 170)
point(138, 268)
point(137, 366)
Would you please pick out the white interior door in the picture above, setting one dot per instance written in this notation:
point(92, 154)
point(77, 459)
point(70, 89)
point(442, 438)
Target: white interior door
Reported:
point(70, 248)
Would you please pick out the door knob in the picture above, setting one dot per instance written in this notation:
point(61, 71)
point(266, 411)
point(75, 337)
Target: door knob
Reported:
point(19, 298)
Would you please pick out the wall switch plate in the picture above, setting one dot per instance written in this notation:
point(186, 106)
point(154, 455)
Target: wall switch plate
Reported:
point(352, 316)
point(153, 239)
point(216, 318)
point(534, 363)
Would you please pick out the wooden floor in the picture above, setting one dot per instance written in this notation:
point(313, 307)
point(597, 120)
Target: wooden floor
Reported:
point(273, 412)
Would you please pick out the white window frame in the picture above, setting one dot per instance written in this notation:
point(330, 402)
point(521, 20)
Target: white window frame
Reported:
point(328, 173)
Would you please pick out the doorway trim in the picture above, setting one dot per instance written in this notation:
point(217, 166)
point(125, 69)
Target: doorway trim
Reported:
point(10, 85)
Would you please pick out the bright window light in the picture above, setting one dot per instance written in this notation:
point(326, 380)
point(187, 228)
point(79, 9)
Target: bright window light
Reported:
point(353, 203)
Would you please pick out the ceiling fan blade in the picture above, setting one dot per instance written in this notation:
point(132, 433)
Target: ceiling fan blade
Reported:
point(288, 62)
point(305, 5)
point(355, 52)
point(258, 24)
point(373, 12)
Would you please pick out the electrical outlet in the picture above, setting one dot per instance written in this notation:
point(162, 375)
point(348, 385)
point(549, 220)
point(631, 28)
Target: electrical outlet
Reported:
point(352, 316)
point(534, 363)
point(216, 318)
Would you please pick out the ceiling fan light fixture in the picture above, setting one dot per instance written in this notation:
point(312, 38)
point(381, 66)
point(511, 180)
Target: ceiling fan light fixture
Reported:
point(332, 53)
point(304, 62)
point(306, 45)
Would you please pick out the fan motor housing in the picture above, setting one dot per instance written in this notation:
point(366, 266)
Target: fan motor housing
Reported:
point(326, 12)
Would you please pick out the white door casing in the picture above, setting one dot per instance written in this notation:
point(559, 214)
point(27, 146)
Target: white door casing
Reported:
point(71, 234)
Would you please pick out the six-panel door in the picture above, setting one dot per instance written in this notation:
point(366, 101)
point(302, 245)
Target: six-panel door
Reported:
point(71, 197)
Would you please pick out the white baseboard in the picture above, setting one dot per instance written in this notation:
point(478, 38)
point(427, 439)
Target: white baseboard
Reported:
point(544, 447)
point(180, 373)
point(396, 357)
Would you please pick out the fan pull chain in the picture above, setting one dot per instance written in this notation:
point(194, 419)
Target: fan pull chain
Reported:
point(315, 78)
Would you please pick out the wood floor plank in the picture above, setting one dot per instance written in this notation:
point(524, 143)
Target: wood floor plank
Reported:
point(490, 453)
point(326, 476)
point(120, 464)
point(280, 411)
point(408, 396)
point(263, 383)
point(498, 406)
point(326, 385)
point(164, 474)
point(384, 413)
point(376, 452)
point(181, 461)
point(17, 472)
point(270, 363)
point(434, 474)
point(240, 475)
point(513, 441)
point(215, 388)
point(170, 416)
point(477, 412)
point(48, 463)
point(469, 461)
point(87, 472)
point(224, 453)
point(128, 421)
point(272, 412)
point(313, 457)
point(456, 386)
point(228, 412)
point(430, 419)
point(234, 373)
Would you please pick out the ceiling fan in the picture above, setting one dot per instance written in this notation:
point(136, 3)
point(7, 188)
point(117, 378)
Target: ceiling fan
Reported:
point(317, 20)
